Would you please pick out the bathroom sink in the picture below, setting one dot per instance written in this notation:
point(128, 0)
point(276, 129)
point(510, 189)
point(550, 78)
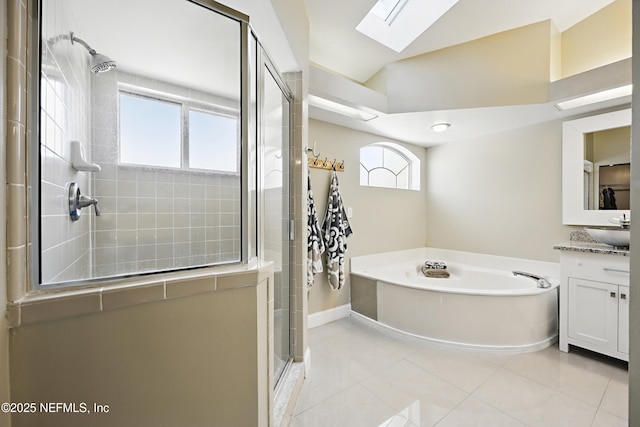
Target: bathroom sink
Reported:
point(618, 237)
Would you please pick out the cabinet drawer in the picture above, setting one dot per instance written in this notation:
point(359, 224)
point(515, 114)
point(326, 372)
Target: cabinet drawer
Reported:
point(602, 268)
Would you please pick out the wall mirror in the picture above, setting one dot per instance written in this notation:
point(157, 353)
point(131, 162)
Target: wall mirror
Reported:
point(596, 168)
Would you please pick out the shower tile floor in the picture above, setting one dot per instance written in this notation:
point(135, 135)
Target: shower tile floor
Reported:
point(362, 377)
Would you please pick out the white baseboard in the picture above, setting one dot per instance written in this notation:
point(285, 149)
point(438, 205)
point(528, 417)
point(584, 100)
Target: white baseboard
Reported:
point(327, 316)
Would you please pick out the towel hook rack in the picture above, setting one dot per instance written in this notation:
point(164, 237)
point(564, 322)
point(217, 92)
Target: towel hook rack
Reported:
point(315, 162)
point(312, 150)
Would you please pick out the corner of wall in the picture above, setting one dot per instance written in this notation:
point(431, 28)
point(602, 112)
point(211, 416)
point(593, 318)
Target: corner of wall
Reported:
point(634, 310)
point(378, 81)
point(4, 328)
point(555, 53)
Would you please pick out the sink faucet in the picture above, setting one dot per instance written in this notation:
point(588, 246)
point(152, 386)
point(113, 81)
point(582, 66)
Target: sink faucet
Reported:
point(541, 281)
point(623, 221)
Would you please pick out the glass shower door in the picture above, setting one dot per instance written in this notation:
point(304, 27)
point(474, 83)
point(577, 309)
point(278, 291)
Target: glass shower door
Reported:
point(275, 128)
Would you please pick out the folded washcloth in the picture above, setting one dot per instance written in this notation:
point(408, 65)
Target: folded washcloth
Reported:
point(435, 273)
point(435, 264)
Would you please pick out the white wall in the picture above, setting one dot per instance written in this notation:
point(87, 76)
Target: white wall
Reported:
point(507, 68)
point(499, 194)
point(603, 38)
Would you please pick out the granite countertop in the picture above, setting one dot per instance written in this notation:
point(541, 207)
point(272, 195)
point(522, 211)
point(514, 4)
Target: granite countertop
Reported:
point(580, 241)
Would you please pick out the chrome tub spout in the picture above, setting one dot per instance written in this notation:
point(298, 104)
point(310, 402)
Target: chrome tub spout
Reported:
point(541, 281)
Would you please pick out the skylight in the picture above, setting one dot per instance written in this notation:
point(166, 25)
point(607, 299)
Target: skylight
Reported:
point(397, 23)
point(387, 10)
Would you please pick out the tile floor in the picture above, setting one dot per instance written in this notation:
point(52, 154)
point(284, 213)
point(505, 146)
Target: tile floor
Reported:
point(362, 377)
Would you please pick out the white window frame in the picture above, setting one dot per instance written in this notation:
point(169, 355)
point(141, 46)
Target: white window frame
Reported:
point(413, 163)
point(186, 105)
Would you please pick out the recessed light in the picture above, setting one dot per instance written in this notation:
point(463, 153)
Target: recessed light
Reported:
point(440, 127)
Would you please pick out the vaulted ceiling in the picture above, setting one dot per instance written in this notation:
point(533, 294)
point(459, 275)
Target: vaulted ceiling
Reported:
point(337, 47)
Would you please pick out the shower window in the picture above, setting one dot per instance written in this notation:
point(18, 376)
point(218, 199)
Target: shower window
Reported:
point(158, 125)
point(164, 132)
point(149, 131)
point(213, 141)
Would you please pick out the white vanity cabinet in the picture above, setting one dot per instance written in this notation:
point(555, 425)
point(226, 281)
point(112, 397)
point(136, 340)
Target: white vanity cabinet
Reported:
point(594, 302)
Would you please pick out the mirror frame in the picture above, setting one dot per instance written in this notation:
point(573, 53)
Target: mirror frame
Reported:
point(573, 212)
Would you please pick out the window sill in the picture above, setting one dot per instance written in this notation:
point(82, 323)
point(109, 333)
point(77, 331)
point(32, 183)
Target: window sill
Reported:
point(44, 306)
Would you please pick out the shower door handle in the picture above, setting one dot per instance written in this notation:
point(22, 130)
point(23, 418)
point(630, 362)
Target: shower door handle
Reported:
point(292, 230)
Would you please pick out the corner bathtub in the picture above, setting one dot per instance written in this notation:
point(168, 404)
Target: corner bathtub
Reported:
point(482, 305)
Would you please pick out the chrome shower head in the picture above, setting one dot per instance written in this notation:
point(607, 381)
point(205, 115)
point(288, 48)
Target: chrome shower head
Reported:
point(99, 63)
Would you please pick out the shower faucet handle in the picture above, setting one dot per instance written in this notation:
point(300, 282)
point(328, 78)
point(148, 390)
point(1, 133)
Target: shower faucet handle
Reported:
point(77, 201)
point(85, 201)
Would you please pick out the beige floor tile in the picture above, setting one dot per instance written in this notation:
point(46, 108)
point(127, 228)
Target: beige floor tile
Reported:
point(353, 407)
point(578, 376)
point(533, 403)
point(616, 396)
point(406, 387)
point(330, 373)
point(339, 326)
point(397, 421)
point(473, 412)
point(464, 370)
point(605, 419)
point(363, 377)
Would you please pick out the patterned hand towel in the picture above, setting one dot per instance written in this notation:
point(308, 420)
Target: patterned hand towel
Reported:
point(335, 229)
point(315, 244)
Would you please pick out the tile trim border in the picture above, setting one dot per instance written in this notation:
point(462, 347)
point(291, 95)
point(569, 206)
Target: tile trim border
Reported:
point(48, 306)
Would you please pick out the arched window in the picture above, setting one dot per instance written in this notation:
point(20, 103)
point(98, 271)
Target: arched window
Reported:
point(385, 164)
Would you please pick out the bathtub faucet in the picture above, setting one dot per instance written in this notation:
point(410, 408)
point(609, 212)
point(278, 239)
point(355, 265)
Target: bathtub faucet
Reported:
point(542, 282)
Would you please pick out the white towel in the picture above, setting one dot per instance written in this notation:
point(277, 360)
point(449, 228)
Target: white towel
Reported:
point(335, 229)
point(315, 244)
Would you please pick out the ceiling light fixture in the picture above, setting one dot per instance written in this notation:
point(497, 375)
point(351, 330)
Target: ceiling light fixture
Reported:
point(336, 107)
point(594, 98)
point(440, 127)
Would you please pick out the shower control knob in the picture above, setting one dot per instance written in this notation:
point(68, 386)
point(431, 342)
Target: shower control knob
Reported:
point(77, 201)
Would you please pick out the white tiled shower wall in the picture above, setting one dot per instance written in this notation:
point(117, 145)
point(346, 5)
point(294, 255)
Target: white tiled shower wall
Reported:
point(155, 218)
point(64, 116)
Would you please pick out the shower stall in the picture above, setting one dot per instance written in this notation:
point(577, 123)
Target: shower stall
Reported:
point(165, 155)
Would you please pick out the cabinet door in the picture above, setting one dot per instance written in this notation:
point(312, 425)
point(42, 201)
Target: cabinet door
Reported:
point(623, 320)
point(593, 312)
